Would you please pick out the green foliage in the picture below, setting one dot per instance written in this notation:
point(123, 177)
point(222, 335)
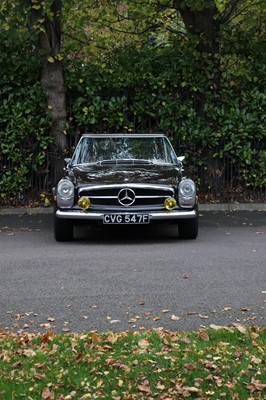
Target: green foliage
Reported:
point(23, 127)
point(133, 66)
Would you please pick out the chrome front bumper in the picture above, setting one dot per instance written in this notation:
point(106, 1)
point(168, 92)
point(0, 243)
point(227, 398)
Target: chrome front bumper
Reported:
point(154, 216)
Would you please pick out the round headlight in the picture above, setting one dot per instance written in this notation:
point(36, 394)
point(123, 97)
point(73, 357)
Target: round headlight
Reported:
point(65, 188)
point(187, 188)
point(84, 203)
point(170, 203)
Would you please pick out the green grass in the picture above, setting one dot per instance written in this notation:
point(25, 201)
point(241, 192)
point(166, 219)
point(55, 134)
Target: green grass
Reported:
point(209, 364)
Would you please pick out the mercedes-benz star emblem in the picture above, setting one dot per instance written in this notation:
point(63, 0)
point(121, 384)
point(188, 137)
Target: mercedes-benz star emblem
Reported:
point(126, 197)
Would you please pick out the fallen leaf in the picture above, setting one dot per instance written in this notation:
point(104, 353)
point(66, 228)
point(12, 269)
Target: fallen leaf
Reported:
point(112, 338)
point(19, 316)
point(203, 316)
point(121, 366)
point(147, 314)
point(237, 354)
point(204, 335)
point(255, 386)
point(70, 396)
point(99, 383)
point(191, 389)
point(39, 377)
point(17, 364)
point(144, 388)
point(46, 394)
point(241, 329)
point(143, 343)
point(47, 337)
point(175, 318)
point(160, 387)
point(252, 318)
point(95, 338)
point(46, 326)
point(216, 327)
point(256, 360)
point(79, 358)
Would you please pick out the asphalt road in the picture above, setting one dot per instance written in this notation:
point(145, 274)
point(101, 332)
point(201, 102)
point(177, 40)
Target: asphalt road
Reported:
point(132, 279)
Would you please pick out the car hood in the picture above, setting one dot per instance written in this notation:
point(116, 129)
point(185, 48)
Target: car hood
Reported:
point(106, 175)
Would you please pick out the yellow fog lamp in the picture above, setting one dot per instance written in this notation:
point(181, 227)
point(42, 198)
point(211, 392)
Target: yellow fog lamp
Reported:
point(170, 203)
point(84, 203)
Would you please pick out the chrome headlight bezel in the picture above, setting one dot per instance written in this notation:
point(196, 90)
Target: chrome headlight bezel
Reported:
point(65, 193)
point(187, 193)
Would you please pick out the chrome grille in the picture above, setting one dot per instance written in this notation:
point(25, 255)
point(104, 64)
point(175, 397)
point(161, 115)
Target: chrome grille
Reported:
point(145, 195)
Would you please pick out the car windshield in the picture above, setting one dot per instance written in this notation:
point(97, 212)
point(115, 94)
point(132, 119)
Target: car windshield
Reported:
point(91, 150)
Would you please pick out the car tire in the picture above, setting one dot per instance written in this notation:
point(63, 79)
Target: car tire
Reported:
point(63, 230)
point(188, 228)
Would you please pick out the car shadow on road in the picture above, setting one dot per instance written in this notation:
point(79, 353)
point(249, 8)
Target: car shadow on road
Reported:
point(162, 233)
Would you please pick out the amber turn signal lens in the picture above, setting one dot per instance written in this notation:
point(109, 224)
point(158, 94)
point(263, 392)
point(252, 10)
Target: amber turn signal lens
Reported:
point(170, 203)
point(84, 203)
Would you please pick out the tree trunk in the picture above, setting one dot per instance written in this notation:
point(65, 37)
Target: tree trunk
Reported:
point(52, 82)
point(52, 77)
point(203, 23)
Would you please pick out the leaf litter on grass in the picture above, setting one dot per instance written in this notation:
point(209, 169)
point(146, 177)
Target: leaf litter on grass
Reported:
point(211, 363)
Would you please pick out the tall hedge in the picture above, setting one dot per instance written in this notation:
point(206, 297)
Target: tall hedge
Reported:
point(23, 124)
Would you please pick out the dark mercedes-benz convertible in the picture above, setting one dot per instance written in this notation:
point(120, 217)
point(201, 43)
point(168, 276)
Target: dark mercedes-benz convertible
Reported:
point(125, 179)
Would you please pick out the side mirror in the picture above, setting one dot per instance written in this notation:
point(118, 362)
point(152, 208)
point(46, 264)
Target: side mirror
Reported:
point(180, 163)
point(67, 160)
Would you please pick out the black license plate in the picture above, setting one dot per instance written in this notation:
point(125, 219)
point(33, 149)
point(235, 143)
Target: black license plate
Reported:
point(126, 219)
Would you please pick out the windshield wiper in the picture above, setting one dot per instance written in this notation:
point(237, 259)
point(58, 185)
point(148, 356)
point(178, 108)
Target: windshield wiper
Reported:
point(125, 161)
